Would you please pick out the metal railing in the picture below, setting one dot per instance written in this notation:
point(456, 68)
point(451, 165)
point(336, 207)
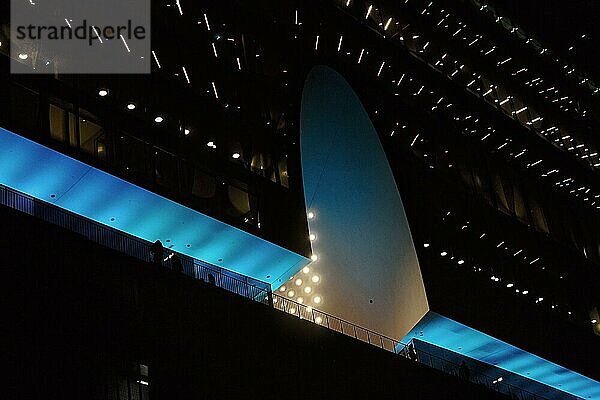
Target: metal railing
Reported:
point(497, 383)
point(135, 247)
point(337, 324)
point(406, 350)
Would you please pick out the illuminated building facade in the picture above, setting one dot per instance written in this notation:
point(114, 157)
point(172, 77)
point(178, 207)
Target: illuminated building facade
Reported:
point(416, 168)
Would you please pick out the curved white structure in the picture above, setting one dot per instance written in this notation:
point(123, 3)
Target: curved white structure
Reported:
point(366, 257)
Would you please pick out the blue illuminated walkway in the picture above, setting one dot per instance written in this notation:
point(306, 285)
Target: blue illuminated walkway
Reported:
point(527, 368)
point(53, 177)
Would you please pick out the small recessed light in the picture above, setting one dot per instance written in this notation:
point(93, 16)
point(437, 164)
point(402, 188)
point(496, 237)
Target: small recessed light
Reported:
point(594, 321)
point(103, 93)
point(186, 131)
point(159, 119)
point(131, 106)
point(444, 253)
point(425, 245)
point(236, 155)
point(23, 56)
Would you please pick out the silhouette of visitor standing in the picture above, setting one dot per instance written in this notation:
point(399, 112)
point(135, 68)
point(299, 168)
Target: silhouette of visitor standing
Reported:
point(157, 251)
point(463, 371)
point(176, 264)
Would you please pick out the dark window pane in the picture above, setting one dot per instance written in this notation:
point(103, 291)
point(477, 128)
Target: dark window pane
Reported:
point(283, 172)
point(204, 185)
point(90, 134)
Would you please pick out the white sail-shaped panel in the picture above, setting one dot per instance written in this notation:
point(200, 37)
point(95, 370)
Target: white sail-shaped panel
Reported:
point(369, 272)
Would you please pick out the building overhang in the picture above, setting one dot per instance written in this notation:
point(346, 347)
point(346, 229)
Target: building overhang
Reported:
point(53, 177)
point(524, 370)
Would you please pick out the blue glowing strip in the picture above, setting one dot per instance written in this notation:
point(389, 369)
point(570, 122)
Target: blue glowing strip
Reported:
point(51, 176)
point(458, 338)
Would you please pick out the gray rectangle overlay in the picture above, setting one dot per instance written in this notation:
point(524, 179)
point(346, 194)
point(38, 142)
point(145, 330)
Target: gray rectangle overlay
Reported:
point(80, 36)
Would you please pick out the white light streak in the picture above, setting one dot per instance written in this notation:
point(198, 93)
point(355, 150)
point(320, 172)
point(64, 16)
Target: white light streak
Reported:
point(215, 90)
point(125, 43)
point(519, 111)
point(156, 59)
point(380, 68)
point(387, 24)
point(206, 20)
point(100, 39)
point(414, 140)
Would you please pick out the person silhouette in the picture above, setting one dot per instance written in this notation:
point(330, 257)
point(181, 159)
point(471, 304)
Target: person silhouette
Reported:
point(157, 251)
point(211, 279)
point(176, 264)
point(463, 371)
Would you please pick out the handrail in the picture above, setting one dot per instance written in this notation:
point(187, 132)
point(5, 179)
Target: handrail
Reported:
point(497, 384)
point(337, 324)
point(406, 350)
point(133, 246)
point(243, 286)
